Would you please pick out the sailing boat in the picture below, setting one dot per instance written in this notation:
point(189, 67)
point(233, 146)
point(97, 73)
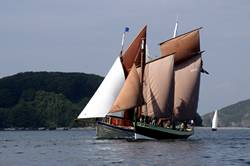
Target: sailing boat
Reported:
point(215, 121)
point(156, 99)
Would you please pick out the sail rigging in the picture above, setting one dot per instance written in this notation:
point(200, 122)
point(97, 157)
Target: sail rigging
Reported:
point(156, 98)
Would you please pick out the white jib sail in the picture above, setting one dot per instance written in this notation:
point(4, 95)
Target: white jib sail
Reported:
point(215, 120)
point(101, 102)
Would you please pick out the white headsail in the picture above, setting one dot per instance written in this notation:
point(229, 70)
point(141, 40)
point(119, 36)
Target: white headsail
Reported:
point(101, 102)
point(215, 120)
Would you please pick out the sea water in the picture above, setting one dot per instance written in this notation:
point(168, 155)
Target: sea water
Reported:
point(80, 147)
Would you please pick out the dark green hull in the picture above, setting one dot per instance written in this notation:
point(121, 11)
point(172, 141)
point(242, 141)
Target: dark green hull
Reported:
point(161, 133)
point(107, 131)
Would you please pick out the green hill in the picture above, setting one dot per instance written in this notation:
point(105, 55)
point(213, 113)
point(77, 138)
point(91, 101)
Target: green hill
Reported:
point(44, 99)
point(235, 115)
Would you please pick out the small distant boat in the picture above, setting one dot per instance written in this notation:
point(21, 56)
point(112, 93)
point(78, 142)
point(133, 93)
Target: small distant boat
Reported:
point(215, 121)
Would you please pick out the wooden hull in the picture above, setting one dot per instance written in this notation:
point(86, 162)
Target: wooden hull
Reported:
point(107, 131)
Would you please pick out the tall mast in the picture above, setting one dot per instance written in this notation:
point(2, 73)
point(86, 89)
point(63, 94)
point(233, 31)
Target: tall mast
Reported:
point(143, 60)
point(123, 38)
point(175, 28)
point(143, 53)
point(138, 110)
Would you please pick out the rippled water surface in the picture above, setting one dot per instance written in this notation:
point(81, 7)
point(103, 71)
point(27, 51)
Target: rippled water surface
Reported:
point(79, 147)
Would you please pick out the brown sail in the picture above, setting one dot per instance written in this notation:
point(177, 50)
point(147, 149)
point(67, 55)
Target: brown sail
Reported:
point(130, 93)
point(183, 46)
point(187, 83)
point(132, 54)
point(158, 87)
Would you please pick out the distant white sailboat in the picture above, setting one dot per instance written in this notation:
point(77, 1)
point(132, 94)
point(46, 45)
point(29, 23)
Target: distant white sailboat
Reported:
point(215, 121)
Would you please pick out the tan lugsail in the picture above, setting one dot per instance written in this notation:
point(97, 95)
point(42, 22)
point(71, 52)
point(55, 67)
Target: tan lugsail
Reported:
point(187, 84)
point(129, 94)
point(183, 46)
point(132, 54)
point(158, 87)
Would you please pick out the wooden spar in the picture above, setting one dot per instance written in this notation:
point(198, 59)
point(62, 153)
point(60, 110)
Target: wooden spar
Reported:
point(143, 60)
point(181, 35)
point(138, 110)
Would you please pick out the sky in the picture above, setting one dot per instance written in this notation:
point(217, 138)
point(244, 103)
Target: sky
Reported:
point(85, 36)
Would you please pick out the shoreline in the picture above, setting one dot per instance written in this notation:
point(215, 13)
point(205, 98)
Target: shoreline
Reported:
point(93, 127)
point(47, 129)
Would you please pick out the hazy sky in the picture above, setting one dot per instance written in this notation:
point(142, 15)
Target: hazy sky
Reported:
point(85, 36)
